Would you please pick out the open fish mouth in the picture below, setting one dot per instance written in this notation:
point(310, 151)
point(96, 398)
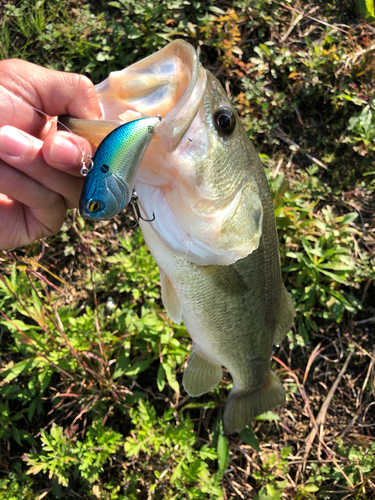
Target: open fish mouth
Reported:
point(169, 83)
point(200, 179)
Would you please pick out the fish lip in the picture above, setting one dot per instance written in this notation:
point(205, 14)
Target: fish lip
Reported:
point(178, 119)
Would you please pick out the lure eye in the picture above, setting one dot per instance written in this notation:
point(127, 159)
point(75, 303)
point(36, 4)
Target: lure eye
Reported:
point(225, 121)
point(93, 206)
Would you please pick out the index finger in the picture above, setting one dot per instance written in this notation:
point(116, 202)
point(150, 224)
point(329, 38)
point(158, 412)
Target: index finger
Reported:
point(54, 92)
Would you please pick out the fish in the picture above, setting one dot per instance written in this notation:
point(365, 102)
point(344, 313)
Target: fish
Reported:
point(110, 174)
point(214, 237)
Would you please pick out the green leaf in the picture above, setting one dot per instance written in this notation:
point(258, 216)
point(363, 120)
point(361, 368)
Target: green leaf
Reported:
point(269, 415)
point(367, 9)
point(138, 368)
point(44, 379)
point(160, 378)
point(171, 377)
point(17, 369)
point(33, 406)
point(222, 450)
point(249, 437)
point(216, 10)
point(311, 488)
point(16, 434)
point(349, 218)
point(177, 472)
point(265, 49)
point(122, 363)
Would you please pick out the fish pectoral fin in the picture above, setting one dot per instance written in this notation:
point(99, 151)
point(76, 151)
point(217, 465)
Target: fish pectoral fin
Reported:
point(242, 407)
point(170, 299)
point(226, 278)
point(201, 375)
point(286, 316)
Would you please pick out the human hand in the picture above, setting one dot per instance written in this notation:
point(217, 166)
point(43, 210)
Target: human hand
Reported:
point(39, 166)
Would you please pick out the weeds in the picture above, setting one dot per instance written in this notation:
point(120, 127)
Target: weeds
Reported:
point(90, 364)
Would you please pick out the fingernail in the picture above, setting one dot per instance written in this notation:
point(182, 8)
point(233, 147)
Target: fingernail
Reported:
point(64, 151)
point(13, 142)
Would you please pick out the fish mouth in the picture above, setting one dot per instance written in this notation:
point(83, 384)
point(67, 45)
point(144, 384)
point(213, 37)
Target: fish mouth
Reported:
point(197, 183)
point(169, 83)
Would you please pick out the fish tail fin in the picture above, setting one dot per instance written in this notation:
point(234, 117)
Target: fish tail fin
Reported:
point(242, 407)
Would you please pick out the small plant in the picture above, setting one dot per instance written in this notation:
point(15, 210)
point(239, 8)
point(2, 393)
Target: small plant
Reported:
point(362, 126)
point(274, 469)
point(320, 250)
point(17, 485)
point(63, 455)
point(90, 364)
point(172, 461)
point(350, 476)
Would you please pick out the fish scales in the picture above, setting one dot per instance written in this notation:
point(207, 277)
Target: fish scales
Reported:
point(214, 236)
point(237, 334)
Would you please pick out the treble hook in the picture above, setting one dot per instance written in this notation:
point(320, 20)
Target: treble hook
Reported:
point(137, 211)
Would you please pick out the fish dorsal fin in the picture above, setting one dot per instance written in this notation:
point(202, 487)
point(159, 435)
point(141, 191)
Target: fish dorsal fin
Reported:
point(286, 316)
point(201, 374)
point(170, 299)
point(226, 278)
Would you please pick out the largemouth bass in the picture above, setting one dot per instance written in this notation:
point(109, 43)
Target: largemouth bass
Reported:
point(214, 235)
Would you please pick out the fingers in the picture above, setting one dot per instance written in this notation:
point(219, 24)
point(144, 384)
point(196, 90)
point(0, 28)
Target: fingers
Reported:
point(27, 156)
point(18, 186)
point(55, 92)
point(64, 151)
point(41, 210)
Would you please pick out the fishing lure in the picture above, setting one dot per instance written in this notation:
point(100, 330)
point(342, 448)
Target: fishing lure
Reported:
point(110, 174)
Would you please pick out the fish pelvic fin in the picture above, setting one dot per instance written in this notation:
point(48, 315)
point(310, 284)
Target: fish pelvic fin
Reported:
point(170, 299)
point(286, 316)
point(242, 407)
point(201, 374)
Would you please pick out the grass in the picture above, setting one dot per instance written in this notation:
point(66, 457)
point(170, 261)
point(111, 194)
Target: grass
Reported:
point(91, 404)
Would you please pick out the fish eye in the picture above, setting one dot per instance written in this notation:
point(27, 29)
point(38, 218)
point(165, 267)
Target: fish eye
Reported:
point(93, 206)
point(225, 121)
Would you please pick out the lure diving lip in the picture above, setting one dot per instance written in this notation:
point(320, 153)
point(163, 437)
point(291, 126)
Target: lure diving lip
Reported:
point(111, 173)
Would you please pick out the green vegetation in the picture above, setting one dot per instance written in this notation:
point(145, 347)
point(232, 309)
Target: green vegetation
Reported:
point(91, 404)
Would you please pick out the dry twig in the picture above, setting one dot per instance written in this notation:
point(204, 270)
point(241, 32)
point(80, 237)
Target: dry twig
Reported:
point(313, 18)
point(323, 410)
point(282, 135)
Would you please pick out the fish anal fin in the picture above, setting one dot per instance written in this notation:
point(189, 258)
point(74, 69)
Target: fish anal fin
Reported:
point(226, 278)
point(242, 407)
point(170, 299)
point(201, 375)
point(286, 316)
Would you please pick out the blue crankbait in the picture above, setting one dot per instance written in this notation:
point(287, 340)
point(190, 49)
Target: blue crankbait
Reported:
point(111, 172)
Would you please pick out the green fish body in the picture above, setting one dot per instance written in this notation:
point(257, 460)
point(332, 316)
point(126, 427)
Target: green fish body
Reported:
point(214, 235)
